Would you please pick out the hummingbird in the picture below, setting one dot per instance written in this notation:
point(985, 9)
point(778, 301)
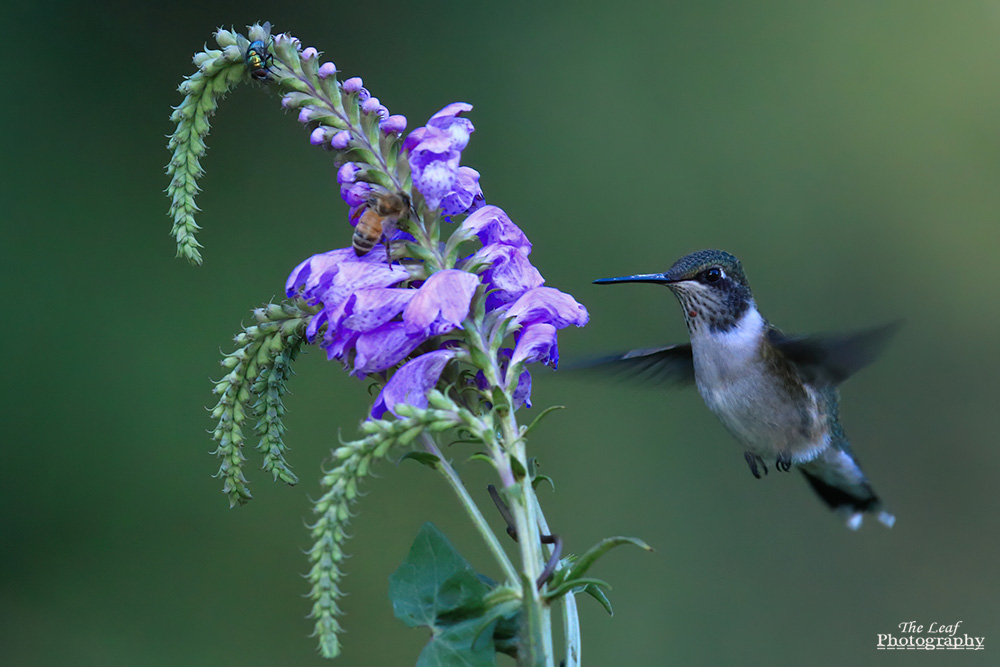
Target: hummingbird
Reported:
point(775, 394)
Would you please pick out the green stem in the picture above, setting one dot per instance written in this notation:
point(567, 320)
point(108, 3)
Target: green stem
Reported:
point(571, 619)
point(471, 509)
point(537, 636)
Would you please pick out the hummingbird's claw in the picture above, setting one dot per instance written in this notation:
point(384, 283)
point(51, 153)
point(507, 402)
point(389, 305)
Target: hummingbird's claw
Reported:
point(752, 461)
point(783, 462)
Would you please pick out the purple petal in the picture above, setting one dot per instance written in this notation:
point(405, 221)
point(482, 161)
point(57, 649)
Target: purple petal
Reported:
point(492, 225)
point(450, 111)
point(383, 348)
point(371, 308)
point(465, 189)
point(510, 274)
point(360, 274)
point(441, 303)
point(312, 275)
point(412, 382)
point(348, 172)
point(545, 304)
point(522, 393)
point(327, 69)
point(393, 124)
point(341, 140)
point(537, 342)
point(356, 194)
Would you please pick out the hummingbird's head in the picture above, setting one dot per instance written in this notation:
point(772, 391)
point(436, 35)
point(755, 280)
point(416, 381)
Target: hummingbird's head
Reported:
point(710, 284)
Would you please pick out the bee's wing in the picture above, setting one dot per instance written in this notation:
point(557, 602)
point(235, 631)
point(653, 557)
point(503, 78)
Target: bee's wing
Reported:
point(672, 364)
point(829, 359)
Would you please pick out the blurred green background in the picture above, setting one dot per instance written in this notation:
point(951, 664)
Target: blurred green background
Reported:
point(848, 152)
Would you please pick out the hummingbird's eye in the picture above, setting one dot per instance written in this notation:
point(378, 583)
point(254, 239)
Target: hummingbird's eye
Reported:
point(713, 274)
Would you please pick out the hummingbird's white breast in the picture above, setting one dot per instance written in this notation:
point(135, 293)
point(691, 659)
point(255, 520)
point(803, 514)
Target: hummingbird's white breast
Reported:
point(768, 412)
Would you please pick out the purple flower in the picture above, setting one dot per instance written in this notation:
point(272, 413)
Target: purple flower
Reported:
point(356, 194)
point(327, 69)
point(353, 85)
point(412, 382)
point(348, 172)
point(435, 151)
point(510, 273)
point(320, 135)
point(522, 393)
point(393, 124)
point(341, 140)
point(537, 342)
point(492, 225)
point(382, 348)
point(545, 304)
point(441, 303)
point(372, 105)
point(465, 191)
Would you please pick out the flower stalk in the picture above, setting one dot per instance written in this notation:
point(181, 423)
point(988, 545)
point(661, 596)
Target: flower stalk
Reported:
point(438, 306)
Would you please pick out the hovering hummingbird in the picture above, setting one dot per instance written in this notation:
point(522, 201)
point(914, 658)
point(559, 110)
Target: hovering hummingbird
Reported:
point(776, 394)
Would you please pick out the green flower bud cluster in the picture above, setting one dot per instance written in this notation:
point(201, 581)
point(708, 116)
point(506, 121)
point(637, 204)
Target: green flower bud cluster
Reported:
point(219, 71)
point(253, 387)
point(352, 462)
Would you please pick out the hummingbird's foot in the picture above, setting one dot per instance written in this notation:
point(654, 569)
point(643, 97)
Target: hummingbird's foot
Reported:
point(752, 461)
point(783, 462)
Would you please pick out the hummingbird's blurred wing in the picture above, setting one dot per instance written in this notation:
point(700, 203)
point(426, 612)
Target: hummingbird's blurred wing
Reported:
point(829, 359)
point(658, 365)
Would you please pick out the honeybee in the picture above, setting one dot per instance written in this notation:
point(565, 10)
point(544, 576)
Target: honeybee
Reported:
point(380, 217)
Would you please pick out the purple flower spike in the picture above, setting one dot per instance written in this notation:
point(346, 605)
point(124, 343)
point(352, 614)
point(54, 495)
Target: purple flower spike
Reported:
point(393, 124)
point(327, 69)
point(412, 382)
point(545, 304)
point(353, 85)
point(341, 140)
point(537, 342)
point(492, 225)
point(441, 303)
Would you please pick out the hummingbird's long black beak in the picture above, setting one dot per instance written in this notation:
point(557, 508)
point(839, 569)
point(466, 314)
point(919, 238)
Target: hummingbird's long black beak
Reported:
point(660, 278)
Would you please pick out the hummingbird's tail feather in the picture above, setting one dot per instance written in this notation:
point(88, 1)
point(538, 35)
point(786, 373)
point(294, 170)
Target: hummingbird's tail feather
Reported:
point(838, 480)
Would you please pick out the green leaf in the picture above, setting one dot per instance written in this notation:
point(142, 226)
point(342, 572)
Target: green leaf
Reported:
point(546, 411)
point(426, 458)
point(538, 479)
point(434, 583)
point(604, 546)
point(456, 646)
point(574, 584)
point(598, 594)
point(516, 468)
